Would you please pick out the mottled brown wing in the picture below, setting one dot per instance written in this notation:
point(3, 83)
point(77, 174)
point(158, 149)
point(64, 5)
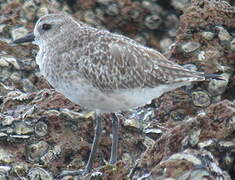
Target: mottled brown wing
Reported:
point(130, 65)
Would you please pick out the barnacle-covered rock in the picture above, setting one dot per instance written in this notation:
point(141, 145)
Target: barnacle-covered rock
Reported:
point(190, 46)
point(201, 98)
point(39, 173)
point(167, 129)
point(37, 150)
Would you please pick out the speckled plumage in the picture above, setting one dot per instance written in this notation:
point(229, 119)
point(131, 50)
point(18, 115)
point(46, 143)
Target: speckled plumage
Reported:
point(103, 71)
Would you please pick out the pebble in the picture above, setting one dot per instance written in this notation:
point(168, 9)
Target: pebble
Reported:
point(28, 10)
point(6, 60)
point(7, 120)
point(152, 22)
point(37, 150)
point(3, 63)
point(154, 8)
point(194, 137)
point(39, 174)
point(18, 32)
point(153, 133)
point(180, 4)
point(232, 45)
point(177, 115)
point(134, 123)
point(51, 155)
point(19, 169)
point(217, 87)
point(208, 35)
point(187, 157)
point(40, 129)
point(210, 143)
point(201, 99)
point(22, 129)
point(223, 34)
point(6, 157)
point(42, 11)
point(190, 46)
point(112, 9)
point(5, 169)
point(2, 176)
point(165, 44)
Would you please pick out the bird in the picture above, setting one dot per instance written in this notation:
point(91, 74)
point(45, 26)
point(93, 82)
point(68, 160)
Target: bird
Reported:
point(103, 71)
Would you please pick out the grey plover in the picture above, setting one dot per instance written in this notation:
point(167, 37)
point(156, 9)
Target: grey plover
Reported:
point(103, 71)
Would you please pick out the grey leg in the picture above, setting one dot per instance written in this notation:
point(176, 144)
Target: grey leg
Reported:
point(94, 145)
point(114, 147)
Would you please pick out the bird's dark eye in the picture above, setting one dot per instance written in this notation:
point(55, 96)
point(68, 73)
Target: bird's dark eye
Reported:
point(46, 27)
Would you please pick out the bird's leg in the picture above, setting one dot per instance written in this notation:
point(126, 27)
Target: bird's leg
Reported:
point(114, 147)
point(94, 144)
point(92, 153)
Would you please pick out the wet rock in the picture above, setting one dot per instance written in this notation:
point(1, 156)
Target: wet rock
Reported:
point(104, 2)
point(202, 56)
point(112, 9)
point(15, 77)
point(194, 137)
point(19, 169)
point(232, 45)
point(163, 135)
point(208, 144)
point(13, 137)
point(96, 175)
point(208, 35)
point(177, 115)
point(172, 24)
point(37, 150)
point(51, 155)
point(153, 8)
point(201, 98)
point(190, 46)
point(153, 133)
point(28, 9)
point(90, 18)
point(133, 123)
point(3, 135)
point(39, 174)
point(180, 4)
point(6, 157)
point(42, 11)
point(2, 176)
point(217, 87)
point(223, 34)
point(232, 122)
point(18, 32)
point(6, 60)
point(22, 129)
point(5, 168)
point(28, 86)
point(6, 120)
point(152, 22)
point(165, 44)
point(140, 39)
point(3, 63)
point(40, 128)
point(190, 158)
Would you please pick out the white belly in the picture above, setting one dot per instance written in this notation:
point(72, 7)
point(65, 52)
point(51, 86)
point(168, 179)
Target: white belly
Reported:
point(120, 100)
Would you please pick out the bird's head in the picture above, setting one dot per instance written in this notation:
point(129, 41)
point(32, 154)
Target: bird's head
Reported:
point(48, 28)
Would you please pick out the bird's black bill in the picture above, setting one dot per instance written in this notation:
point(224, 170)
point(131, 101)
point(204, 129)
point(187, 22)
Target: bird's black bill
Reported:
point(28, 38)
point(214, 76)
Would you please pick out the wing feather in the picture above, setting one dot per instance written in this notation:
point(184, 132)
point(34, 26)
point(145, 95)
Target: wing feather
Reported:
point(127, 65)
